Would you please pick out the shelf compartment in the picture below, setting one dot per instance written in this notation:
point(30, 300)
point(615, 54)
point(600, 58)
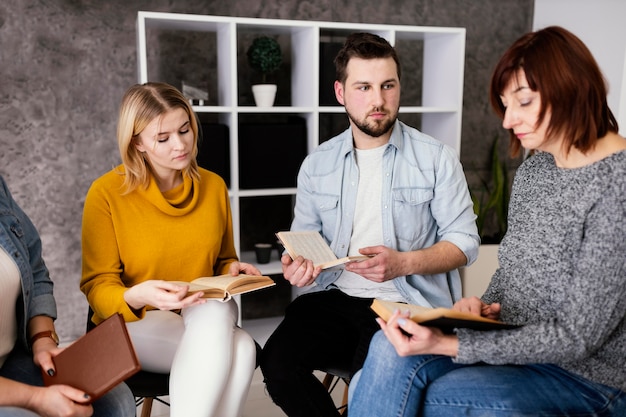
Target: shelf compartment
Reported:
point(261, 217)
point(270, 151)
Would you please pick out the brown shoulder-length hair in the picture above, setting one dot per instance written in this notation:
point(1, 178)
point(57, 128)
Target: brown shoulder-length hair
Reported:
point(559, 66)
point(365, 46)
point(141, 104)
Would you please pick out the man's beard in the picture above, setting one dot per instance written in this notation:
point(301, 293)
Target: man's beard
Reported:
point(374, 129)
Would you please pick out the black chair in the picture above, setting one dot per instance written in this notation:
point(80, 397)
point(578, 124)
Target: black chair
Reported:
point(149, 386)
point(145, 386)
point(331, 378)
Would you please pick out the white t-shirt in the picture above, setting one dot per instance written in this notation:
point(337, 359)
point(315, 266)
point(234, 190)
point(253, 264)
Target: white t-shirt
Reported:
point(10, 289)
point(367, 228)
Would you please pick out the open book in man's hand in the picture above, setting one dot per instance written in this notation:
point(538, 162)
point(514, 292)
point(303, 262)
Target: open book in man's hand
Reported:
point(311, 245)
point(222, 287)
point(444, 318)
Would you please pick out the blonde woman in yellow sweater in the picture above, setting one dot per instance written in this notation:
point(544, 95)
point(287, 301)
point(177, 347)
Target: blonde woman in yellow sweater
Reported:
point(159, 217)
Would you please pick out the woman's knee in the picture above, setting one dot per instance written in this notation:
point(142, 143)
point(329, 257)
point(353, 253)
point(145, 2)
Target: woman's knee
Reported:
point(211, 312)
point(119, 402)
point(380, 347)
point(245, 346)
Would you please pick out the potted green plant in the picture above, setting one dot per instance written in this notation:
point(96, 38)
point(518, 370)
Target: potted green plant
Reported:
point(265, 57)
point(491, 202)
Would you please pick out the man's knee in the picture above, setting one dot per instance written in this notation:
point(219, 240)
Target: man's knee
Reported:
point(276, 355)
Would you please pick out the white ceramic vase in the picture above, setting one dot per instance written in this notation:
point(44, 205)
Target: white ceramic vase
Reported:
point(264, 94)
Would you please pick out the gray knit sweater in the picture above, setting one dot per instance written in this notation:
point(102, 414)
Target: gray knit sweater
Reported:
point(562, 272)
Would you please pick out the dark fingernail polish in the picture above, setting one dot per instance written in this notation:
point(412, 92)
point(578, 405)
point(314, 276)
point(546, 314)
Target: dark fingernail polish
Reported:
point(86, 396)
point(50, 372)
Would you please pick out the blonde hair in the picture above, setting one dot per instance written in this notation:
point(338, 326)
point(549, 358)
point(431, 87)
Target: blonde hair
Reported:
point(141, 104)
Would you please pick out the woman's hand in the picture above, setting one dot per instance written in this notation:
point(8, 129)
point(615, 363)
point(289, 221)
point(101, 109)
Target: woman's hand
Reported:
point(163, 295)
point(53, 401)
point(236, 268)
point(299, 272)
point(409, 338)
point(60, 401)
point(474, 305)
point(44, 349)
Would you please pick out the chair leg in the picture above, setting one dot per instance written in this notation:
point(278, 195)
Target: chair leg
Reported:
point(344, 407)
point(146, 408)
point(328, 380)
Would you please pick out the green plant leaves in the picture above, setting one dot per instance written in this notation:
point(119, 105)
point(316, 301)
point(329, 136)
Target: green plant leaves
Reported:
point(264, 55)
point(493, 198)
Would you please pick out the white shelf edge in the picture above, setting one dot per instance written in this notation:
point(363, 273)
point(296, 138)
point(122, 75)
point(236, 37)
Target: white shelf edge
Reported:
point(420, 109)
point(212, 109)
point(320, 109)
point(185, 18)
point(275, 109)
point(263, 192)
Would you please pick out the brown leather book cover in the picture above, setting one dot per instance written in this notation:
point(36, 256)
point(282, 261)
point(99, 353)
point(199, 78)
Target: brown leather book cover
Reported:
point(97, 361)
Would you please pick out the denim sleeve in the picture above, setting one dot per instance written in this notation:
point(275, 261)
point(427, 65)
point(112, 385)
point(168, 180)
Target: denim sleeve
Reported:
point(37, 286)
point(452, 206)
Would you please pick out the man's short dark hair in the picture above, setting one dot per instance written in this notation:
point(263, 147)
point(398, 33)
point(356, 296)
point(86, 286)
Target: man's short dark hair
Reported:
point(365, 46)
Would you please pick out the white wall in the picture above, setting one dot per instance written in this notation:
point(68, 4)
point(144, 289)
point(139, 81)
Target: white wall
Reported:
point(601, 25)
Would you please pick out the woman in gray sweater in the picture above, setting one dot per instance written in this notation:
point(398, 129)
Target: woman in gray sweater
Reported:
point(562, 274)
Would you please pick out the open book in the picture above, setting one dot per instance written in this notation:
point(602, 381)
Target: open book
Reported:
point(224, 286)
point(311, 245)
point(97, 361)
point(444, 318)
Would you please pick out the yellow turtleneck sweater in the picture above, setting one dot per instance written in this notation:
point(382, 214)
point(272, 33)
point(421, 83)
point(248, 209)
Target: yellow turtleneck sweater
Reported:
point(182, 234)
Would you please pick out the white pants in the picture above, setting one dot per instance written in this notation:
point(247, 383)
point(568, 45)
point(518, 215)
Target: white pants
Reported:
point(210, 359)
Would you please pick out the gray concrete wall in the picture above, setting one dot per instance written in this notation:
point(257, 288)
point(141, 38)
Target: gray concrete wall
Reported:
point(64, 65)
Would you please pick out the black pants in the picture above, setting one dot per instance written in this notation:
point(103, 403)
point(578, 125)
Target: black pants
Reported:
point(326, 329)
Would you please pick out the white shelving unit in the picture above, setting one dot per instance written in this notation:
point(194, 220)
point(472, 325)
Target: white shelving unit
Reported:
point(439, 107)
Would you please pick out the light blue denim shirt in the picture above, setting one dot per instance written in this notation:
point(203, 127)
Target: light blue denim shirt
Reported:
point(425, 199)
point(20, 239)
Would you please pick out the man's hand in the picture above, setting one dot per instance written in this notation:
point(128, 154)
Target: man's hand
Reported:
point(387, 263)
point(299, 272)
point(384, 264)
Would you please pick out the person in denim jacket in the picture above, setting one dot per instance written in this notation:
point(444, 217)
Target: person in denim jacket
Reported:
point(27, 337)
point(381, 189)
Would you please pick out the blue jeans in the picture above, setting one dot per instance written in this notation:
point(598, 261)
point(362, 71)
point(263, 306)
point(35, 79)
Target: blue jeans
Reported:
point(19, 366)
point(434, 386)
